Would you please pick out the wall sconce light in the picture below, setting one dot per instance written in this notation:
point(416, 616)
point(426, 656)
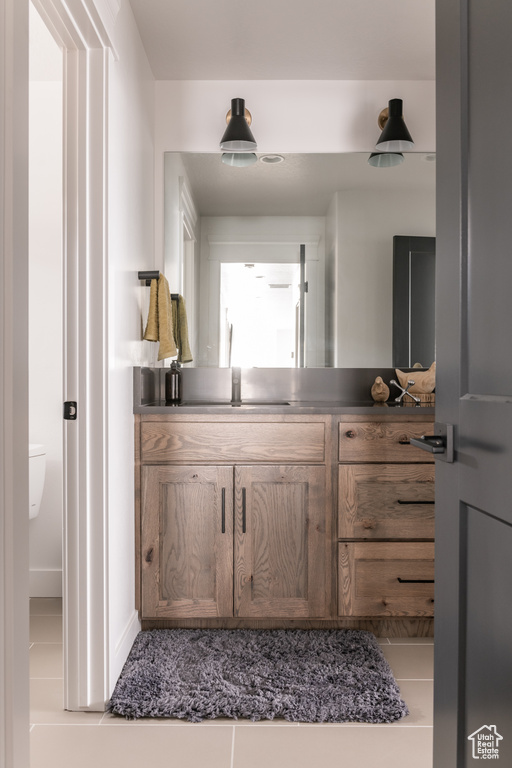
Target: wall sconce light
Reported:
point(394, 137)
point(385, 159)
point(237, 136)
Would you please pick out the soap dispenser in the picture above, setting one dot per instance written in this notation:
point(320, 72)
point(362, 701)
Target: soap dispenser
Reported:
point(173, 384)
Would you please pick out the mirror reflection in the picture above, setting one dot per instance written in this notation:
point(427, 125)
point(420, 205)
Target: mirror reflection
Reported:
point(233, 244)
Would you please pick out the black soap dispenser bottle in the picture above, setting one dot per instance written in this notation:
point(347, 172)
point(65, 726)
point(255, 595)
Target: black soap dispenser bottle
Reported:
point(173, 384)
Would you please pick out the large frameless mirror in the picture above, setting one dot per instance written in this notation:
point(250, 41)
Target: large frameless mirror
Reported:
point(234, 237)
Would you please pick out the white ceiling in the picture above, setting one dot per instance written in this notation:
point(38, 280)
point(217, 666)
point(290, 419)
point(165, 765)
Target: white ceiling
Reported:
point(303, 185)
point(288, 39)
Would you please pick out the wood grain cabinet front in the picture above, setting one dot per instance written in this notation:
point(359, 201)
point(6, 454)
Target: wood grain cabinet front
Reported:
point(386, 501)
point(187, 541)
point(386, 579)
point(243, 541)
point(376, 441)
point(385, 520)
point(280, 529)
point(247, 442)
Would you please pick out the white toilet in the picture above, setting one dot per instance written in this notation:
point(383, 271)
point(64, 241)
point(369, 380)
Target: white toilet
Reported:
point(36, 473)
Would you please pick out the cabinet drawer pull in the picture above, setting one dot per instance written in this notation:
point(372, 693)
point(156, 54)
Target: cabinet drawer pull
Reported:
point(404, 440)
point(244, 527)
point(425, 501)
point(350, 433)
point(415, 581)
point(223, 510)
point(149, 555)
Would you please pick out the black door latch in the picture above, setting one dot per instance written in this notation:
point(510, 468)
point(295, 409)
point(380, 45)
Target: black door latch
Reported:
point(70, 410)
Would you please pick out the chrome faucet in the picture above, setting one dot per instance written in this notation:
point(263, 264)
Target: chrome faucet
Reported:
point(236, 386)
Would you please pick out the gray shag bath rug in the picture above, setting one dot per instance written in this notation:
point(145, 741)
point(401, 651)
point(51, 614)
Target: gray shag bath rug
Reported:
point(307, 676)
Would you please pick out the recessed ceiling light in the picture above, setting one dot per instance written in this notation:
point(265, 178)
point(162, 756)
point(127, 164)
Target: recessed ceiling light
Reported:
point(271, 159)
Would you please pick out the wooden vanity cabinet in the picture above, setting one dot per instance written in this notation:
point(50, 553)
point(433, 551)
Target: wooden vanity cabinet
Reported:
point(385, 520)
point(236, 524)
point(221, 540)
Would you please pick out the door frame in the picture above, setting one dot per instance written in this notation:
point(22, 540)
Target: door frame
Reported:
point(451, 144)
point(78, 27)
point(79, 31)
point(14, 563)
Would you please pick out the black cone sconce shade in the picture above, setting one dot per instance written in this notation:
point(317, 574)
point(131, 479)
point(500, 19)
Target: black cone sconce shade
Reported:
point(395, 137)
point(237, 136)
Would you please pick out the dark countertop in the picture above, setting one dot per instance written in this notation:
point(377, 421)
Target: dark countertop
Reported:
point(222, 408)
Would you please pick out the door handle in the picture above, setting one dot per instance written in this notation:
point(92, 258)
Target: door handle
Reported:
point(430, 443)
point(244, 511)
point(440, 443)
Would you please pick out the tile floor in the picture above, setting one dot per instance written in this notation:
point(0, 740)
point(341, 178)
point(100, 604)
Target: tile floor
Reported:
point(97, 740)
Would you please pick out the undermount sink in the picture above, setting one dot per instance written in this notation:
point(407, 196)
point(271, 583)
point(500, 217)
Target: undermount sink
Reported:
point(244, 403)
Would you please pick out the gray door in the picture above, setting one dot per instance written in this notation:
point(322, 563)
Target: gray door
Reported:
point(473, 657)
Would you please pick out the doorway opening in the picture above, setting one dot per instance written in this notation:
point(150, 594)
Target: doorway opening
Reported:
point(45, 307)
point(258, 323)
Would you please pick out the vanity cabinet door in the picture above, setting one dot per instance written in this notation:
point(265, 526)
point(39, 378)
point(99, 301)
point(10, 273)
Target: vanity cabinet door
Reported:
point(187, 541)
point(280, 546)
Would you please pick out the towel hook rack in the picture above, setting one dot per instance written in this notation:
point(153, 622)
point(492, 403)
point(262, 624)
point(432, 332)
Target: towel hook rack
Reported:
point(149, 276)
point(154, 275)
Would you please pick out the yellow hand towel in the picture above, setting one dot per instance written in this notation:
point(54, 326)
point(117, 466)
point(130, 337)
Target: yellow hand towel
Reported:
point(159, 325)
point(180, 329)
point(151, 332)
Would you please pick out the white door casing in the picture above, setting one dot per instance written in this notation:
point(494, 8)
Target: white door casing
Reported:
point(79, 31)
point(14, 565)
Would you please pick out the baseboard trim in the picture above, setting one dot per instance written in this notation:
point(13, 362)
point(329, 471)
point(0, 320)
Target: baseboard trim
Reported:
point(123, 647)
point(45, 583)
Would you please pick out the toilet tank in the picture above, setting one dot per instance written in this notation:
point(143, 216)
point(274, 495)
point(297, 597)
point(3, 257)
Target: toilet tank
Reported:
point(36, 470)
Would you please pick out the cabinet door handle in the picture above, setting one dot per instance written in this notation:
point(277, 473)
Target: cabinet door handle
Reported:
point(425, 501)
point(415, 581)
point(223, 510)
point(244, 513)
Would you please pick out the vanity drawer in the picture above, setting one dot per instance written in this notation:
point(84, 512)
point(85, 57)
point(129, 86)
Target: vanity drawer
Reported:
point(387, 501)
point(386, 579)
point(233, 442)
point(382, 441)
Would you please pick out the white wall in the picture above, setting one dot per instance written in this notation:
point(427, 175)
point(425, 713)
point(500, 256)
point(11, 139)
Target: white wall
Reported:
point(130, 248)
point(45, 301)
point(366, 222)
